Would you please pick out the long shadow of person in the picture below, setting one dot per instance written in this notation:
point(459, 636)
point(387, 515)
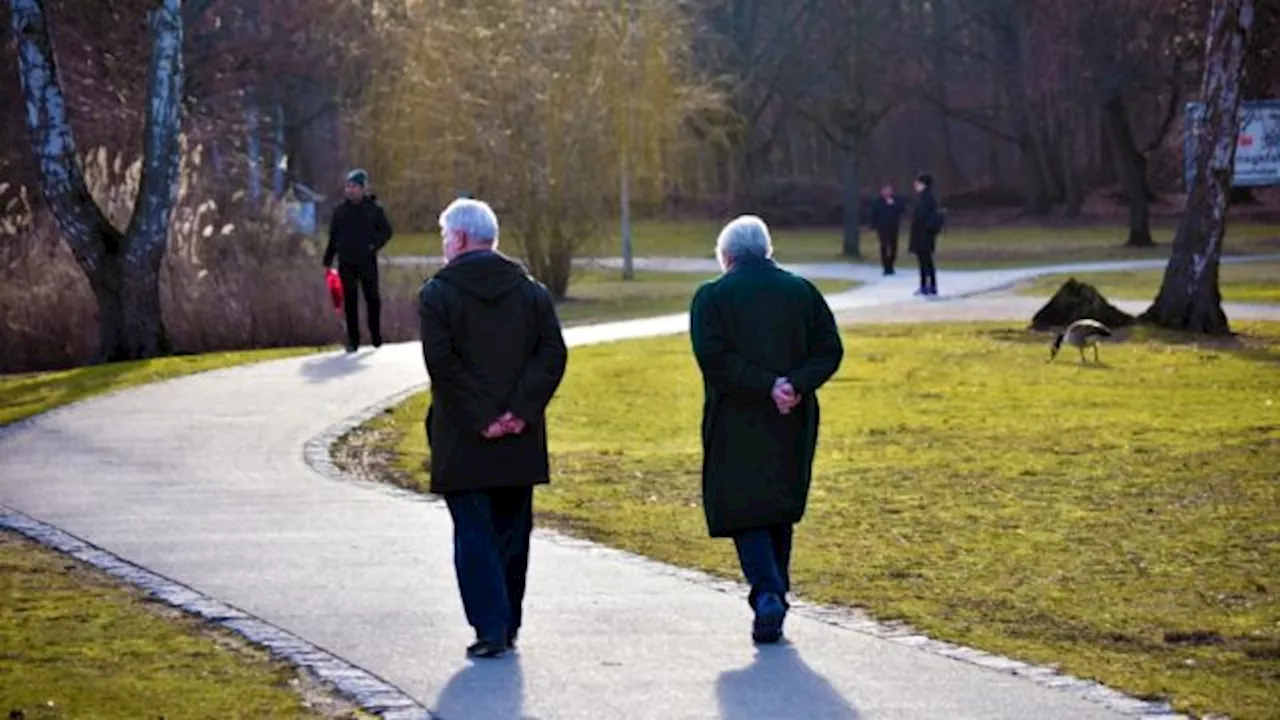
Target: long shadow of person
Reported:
point(779, 685)
point(331, 366)
point(489, 689)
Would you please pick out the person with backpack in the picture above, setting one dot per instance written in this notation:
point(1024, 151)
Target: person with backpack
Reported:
point(358, 230)
point(926, 223)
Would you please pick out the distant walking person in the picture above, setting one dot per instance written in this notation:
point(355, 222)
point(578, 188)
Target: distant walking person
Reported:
point(765, 341)
point(886, 216)
point(357, 231)
point(495, 355)
point(926, 223)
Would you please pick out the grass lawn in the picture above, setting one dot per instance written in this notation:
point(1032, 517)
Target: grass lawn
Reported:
point(1120, 522)
point(76, 643)
point(1245, 283)
point(958, 247)
point(599, 295)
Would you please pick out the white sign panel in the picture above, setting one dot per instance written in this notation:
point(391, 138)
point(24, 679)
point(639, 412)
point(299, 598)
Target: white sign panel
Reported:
point(1257, 145)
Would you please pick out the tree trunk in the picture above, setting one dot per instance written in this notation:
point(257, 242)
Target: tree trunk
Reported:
point(123, 268)
point(1189, 298)
point(940, 29)
point(851, 203)
point(1133, 169)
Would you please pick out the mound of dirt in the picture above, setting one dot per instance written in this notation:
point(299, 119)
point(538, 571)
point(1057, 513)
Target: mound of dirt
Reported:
point(1076, 300)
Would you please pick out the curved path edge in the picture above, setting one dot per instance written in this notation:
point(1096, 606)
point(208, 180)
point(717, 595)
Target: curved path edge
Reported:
point(368, 691)
point(377, 696)
point(319, 455)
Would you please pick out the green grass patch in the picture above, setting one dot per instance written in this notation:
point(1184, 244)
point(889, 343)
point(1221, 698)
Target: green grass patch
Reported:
point(602, 295)
point(1239, 282)
point(28, 394)
point(75, 644)
point(958, 247)
point(1121, 522)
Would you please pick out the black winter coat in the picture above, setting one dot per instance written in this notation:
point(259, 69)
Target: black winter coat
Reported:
point(886, 218)
point(492, 344)
point(757, 323)
point(926, 223)
point(357, 231)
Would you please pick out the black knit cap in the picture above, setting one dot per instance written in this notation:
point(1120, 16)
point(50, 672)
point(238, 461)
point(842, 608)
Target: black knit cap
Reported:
point(925, 179)
point(358, 177)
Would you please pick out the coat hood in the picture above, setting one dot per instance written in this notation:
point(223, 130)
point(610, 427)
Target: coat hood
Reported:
point(485, 275)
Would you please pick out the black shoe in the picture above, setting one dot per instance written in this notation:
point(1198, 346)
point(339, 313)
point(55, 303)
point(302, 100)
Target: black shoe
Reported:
point(377, 342)
point(770, 614)
point(487, 649)
point(352, 347)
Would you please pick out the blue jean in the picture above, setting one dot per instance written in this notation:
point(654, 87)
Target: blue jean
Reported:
point(765, 555)
point(491, 556)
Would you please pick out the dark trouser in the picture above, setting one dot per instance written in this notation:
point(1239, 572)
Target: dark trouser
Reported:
point(363, 277)
point(888, 248)
point(928, 273)
point(491, 555)
point(765, 555)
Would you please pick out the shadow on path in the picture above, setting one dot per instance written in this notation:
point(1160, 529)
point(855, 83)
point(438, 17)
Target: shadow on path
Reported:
point(485, 689)
point(780, 685)
point(333, 366)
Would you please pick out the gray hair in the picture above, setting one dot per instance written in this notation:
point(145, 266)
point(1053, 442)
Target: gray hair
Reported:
point(474, 218)
point(746, 237)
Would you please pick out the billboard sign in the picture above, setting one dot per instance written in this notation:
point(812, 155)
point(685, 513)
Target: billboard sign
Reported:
point(1257, 145)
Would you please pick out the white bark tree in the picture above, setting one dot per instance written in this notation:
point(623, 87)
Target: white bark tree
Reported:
point(1189, 298)
point(123, 267)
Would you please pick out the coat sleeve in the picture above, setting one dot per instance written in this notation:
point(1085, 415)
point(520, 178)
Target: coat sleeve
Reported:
point(723, 368)
point(331, 249)
point(464, 399)
point(544, 371)
point(825, 349)
point(381, 227)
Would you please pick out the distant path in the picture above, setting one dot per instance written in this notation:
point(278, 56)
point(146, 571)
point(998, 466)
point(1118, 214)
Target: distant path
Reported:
point(216, 492)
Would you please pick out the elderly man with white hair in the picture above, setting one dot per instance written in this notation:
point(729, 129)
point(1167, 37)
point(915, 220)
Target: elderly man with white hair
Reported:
point(495, 354)
point(765, 341)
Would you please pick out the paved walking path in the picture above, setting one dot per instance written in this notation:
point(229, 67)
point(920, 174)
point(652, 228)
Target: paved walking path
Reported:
point(204, 482)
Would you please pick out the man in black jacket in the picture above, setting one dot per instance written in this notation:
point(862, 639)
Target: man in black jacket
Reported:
point(926, 223)
point(357, 231)
point(495, 355)
point(886, 214)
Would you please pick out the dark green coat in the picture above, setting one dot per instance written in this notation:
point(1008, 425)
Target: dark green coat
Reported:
point(756, 323)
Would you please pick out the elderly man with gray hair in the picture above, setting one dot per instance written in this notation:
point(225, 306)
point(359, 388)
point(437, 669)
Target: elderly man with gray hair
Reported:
point(765, 341)
point(495, 354)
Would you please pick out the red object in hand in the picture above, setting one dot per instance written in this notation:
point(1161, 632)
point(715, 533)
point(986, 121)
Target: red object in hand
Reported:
point(335, 288)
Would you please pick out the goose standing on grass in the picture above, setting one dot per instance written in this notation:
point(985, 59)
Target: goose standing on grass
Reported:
point(1080, 335)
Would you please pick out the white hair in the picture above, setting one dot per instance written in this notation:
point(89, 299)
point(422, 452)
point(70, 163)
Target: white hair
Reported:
point(746, 237)
point(474, 218)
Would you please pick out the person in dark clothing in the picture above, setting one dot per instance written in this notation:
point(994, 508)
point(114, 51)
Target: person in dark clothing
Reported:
point(886, 216)
point(357, 231)
point(765, 341)
point(495, 355)
point(926, 223)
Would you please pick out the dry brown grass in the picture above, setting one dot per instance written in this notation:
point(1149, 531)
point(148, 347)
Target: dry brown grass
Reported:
point(234, 277)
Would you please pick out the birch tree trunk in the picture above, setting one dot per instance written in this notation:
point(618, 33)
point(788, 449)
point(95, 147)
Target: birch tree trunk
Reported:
point(123, 268)
point(1189, 298)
